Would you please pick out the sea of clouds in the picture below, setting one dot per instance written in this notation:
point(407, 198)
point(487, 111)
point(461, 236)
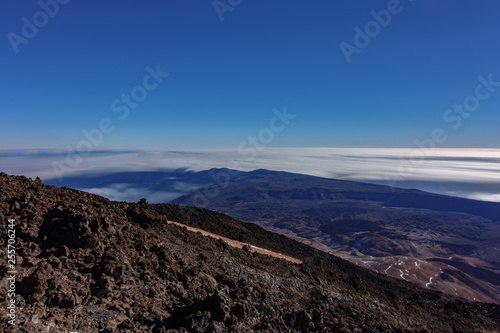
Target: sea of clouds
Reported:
point(470, 173)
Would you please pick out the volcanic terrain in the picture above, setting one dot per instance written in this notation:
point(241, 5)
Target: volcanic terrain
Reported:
point(87, 264)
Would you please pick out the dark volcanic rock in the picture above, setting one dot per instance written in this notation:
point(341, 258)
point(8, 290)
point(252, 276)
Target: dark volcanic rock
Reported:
point(86, 264)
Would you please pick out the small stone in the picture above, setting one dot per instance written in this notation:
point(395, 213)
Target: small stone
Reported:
point(127, 324)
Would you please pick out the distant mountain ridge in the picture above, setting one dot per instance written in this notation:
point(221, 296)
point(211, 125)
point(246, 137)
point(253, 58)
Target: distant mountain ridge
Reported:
point(319, 188)
point(169, 181)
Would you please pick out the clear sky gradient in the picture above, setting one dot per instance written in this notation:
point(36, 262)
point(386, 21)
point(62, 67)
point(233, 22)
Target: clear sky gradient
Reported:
point(226, 76)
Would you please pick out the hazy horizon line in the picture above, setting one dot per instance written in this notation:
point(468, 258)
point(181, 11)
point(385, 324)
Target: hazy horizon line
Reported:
point(467, 172)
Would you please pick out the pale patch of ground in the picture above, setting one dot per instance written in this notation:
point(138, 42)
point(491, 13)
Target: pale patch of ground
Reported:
point(238, 244)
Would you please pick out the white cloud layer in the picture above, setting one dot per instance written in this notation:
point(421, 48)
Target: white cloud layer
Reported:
point(472, 173)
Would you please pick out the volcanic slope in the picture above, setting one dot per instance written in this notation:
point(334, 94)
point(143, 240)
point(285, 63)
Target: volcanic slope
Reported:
point(86, 264)
point(439, 242)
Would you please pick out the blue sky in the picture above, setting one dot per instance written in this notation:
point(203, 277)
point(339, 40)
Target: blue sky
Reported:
point(226, 76)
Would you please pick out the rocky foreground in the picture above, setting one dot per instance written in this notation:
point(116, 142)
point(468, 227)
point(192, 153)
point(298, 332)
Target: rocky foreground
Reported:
point(86, 264)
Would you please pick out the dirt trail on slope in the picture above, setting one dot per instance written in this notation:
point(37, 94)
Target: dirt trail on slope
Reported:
point(238, 244)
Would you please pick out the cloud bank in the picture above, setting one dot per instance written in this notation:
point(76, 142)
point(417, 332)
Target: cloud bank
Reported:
point(471, 173)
